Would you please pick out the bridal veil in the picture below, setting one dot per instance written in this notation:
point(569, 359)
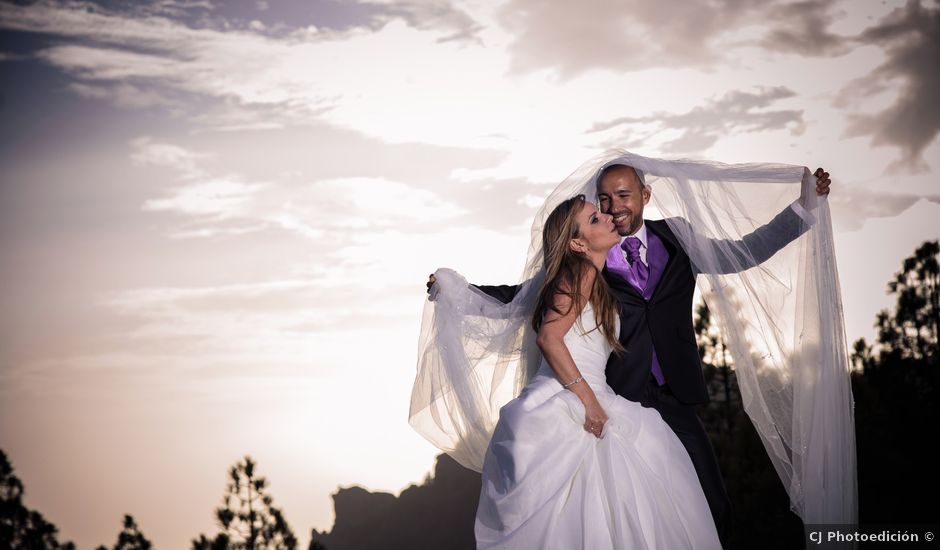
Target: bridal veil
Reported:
point(782, 321)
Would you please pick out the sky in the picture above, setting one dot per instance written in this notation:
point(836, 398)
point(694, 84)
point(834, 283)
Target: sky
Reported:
point(217, 218)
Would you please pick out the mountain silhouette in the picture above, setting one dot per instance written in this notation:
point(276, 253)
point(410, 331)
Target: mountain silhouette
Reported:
point(437, 514)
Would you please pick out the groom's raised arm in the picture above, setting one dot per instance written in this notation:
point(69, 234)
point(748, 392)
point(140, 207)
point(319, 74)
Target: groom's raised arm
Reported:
point(732, 256)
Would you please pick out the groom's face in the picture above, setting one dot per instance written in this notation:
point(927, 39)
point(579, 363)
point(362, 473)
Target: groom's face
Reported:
point(623, 196)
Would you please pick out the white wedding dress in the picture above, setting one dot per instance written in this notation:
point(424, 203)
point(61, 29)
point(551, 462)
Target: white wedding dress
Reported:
point(549, 484)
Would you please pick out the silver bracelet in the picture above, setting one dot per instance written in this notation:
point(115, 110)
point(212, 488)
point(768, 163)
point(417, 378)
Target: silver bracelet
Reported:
point(572, 383)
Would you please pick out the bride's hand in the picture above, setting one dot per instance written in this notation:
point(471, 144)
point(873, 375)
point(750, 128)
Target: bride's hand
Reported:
point(432, 290)
point(594, 418)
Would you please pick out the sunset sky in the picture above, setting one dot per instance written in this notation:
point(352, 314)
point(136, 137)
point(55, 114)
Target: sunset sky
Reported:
point(217, 218)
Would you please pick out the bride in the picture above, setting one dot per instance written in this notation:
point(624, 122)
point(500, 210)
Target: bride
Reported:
point(571, 464)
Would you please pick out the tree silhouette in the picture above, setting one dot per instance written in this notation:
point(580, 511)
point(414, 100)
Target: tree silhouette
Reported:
point(718, 371)
point(21, 527)
point(220, 542)
point(130, 537)
point(248, 518)
point(910, 331)
point(895, 384)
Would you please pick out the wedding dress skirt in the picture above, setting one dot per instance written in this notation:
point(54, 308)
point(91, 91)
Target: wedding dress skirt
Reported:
point(549, 484)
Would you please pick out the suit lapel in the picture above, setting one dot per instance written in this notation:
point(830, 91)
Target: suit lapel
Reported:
point(657, 257)
point(661, 230)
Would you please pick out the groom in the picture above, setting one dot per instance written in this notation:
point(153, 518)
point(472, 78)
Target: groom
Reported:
point(653, 280)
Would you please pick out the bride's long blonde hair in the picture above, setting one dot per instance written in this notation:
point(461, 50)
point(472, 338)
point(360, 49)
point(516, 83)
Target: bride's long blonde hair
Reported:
point(565, 269)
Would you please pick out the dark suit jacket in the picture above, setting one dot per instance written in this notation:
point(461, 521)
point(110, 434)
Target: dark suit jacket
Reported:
point(665, 321)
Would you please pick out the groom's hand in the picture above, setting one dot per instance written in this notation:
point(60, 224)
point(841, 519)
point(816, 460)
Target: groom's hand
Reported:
point(822, 185)
point(822, 181)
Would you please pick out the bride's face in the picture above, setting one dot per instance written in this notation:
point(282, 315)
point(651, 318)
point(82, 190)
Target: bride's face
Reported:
point(596, 231)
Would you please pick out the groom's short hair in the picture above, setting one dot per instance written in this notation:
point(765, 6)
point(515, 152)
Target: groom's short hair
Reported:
point(614, 167)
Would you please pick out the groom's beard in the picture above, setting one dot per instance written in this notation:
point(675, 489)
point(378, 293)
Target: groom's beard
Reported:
point(629, 224)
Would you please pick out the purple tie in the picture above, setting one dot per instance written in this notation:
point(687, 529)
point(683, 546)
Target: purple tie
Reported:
point(640, 271)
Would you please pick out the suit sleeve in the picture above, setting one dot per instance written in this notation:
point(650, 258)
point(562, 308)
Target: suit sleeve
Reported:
point(732, 256)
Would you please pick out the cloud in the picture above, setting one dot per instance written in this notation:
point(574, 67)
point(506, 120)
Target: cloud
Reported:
point(803, 28)
point(210, 204)
point(148, 152)
point(122, 94)
point(698, 129)
point(9, 56)
point(329, 207)
point(86, 20)
point(178, 8)
point(343, 256)
point(285, 320)
point(423, 87)
point(429, 15)
point(243, 326)
point(216, 199)
point(852, 206)
point(265, 295)
point(910, 37)
point(574, 37)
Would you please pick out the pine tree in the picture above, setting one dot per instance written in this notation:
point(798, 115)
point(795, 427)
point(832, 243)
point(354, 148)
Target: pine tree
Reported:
point(130, 537)
point(314, 543)
point(248, 518)
point(21, 527)
point(910, 331)
point(718, 371)
point(896, 385)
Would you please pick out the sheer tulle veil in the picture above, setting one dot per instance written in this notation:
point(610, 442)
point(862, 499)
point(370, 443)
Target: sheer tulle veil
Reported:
point(782, 322)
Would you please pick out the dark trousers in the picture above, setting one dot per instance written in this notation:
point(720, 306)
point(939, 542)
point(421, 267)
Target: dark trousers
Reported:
point(688, 426)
